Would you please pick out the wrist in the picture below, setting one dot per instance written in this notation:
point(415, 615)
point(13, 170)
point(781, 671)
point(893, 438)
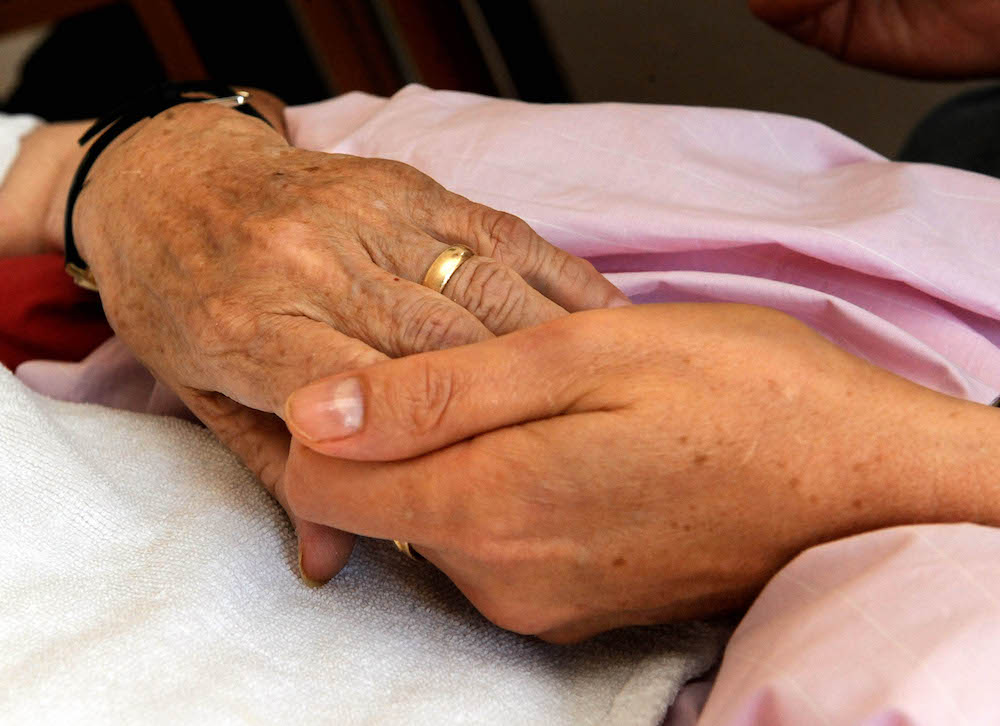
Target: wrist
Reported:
point(960, 455)
point(178, 151)
point(922, 458)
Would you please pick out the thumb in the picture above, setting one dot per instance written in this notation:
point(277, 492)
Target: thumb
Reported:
point(402, 408)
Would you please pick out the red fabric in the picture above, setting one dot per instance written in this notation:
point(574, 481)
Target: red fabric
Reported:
point(44, 315)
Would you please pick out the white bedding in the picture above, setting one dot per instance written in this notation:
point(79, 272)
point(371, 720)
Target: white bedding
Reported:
point(146, 577)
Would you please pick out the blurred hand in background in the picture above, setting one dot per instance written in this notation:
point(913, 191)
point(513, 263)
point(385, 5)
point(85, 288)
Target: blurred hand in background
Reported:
point(926, 38)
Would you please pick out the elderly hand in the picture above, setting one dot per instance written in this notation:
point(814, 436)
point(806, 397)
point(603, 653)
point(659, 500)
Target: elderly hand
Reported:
point(911, 37)
point(632, 466)
point(238, 268)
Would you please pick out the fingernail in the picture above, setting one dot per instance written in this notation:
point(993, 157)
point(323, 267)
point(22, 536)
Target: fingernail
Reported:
point(327, 410)
point(302, 573)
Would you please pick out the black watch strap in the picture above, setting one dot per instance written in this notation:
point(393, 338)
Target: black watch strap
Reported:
point(111, 125)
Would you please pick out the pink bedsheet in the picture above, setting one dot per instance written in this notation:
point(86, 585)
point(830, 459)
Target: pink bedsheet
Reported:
point(895, 263)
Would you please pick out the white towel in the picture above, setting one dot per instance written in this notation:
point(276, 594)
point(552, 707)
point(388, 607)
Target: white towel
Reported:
point(145, 577)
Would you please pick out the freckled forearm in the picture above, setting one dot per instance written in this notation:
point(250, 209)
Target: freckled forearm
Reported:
point(926, 458)
point(963, 454)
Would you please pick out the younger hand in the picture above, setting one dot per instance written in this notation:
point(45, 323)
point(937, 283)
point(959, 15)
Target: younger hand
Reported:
point(629, 466)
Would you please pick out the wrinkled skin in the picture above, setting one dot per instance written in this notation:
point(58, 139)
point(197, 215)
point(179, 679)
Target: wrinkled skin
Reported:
point(635, 466)
point(927, 38)
point(238, 268)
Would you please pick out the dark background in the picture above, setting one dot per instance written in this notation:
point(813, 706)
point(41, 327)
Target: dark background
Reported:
point(701, 52)
point(100, 57)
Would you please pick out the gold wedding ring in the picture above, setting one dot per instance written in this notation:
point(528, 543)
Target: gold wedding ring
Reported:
point(437, 276)
point(445, 265)
point(404, 547)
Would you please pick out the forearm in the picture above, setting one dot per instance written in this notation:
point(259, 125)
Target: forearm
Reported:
point(951, 463)
point(33, 194)
point(910, 456)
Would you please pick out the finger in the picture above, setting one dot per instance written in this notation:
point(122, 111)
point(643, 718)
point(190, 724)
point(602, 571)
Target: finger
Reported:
point(497, 295)
point(283, 353)
point(489, 290)
point(409, 406)
point(433, 503)
point(323, 551)
point(278, 355)
point(570, 282)
point(419, 500)
point(261, 441)
point(400, 318)
point(458, 499)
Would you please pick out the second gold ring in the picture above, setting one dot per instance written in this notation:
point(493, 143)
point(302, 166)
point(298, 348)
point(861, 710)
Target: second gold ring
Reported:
point(405, 548)
point(445, 265)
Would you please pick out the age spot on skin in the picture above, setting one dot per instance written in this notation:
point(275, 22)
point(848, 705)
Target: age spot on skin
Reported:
point(311, 168)
point(682, 439)
point(618, 561)
point(857, 503)
point(700, 459)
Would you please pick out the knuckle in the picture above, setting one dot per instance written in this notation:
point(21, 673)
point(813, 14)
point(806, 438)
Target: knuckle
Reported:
point(217, 325)
point(573, 270)
point(428, 393)
point(508, 612)
point(512, 611)
point(399, 169)
point(491, 291)
point(270, 234)
point(351, 356)
point(407, 183)
point(432, 324)
point(509, 238)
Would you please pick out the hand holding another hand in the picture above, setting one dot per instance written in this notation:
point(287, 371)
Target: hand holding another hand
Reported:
point(238, 268)
point(631, 466)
